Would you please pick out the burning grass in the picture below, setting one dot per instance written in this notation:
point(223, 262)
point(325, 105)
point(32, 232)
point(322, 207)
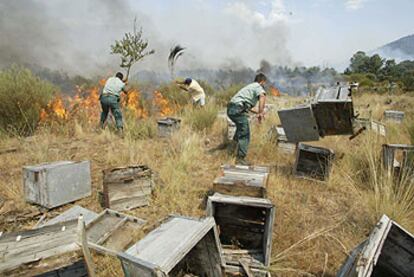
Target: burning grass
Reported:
point(316, 224)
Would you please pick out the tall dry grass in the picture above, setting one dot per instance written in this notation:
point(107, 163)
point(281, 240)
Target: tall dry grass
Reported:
point(316, 225)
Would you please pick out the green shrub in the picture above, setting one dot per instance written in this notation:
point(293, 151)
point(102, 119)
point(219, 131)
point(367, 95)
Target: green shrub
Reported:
point(176, 96)
point(201, 118)
point(22, 97)
point(223, 96)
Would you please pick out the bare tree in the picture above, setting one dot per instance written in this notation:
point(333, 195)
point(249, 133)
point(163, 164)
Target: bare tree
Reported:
point(132, 48)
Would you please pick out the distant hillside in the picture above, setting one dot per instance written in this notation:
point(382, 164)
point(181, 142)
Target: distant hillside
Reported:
point(401, 49)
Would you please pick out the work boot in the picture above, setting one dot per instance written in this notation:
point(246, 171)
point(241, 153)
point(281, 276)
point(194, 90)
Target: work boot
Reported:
point(242, 161)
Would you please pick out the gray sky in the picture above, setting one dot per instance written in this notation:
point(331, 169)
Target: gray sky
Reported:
point(75, 35)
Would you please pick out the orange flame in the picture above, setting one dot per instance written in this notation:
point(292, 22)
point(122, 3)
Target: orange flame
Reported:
point(87, 102)
point(133, 103)
point(164, 106)
point(55, 109)
point(274, 91)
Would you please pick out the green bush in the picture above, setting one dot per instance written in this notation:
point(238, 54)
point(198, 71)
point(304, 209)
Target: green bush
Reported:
point(201, 118)
point(175, 95)
point(222, 97)
point(22, 97)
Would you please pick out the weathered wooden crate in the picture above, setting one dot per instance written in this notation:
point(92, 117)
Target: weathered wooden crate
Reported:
point(126, 188)
point(58, 183)
point(398, 159)
point(313, 162)
point(112, 230)
point(394, 116)
point(179, 246)
point(369, 124)
point(388, 252)
point(245, 226)
point(241, 180)
point(72, 214)
point(334, 111)
point(282, 142)
point(48, 251)
point(299, 124)
point(167, 126)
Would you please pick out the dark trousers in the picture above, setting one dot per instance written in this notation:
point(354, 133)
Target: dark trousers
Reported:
point(110, 103)
point(239, 116)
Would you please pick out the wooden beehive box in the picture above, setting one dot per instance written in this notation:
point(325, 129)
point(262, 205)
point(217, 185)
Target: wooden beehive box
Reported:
point(398, 159)
point(313, 162)
point(112, 230)
point(282, 142)
point(299, 124)
point(369, 124)
point(58, 183)
point(179, 246)
point(126, 188)
point(388, 252)
point(48, 251)
point(241, 180)
point(334, 111)
point(394, 116)
point(167, 126)
point(245, 229)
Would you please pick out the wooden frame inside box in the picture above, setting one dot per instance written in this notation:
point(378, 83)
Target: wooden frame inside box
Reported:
point(313, 162)
point(245, 227)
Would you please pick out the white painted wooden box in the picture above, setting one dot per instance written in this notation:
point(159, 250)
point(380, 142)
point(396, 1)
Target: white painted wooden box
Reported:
point(54, 184)
point(245, 227)
point(394, 116)
point(179, 246)
point(389, 251)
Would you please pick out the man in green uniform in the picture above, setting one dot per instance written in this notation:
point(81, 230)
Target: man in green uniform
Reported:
point(237, 110)
point(110, 98)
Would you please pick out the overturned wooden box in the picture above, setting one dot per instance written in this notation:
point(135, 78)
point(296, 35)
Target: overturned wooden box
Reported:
point(179, 246)
point(299, 124)
point(330, 113)
point(167, 126)
point(394, 116)
point(334, 111)
point(245, 229)
point(388, 252)
point(398, 159)
point(369, 124)
point(313, 162)
point(241, 180)
point(113, 230)
point(48, 251)
point(54, 184)
point(126, 188)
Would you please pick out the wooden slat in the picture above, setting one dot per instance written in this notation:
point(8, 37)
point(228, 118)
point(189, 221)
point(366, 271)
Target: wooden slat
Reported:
point(85, 249)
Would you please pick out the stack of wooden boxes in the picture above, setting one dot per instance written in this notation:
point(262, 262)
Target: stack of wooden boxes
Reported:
point(244, 218)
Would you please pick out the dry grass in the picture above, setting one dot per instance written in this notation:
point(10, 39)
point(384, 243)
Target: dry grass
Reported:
point(316, 225)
